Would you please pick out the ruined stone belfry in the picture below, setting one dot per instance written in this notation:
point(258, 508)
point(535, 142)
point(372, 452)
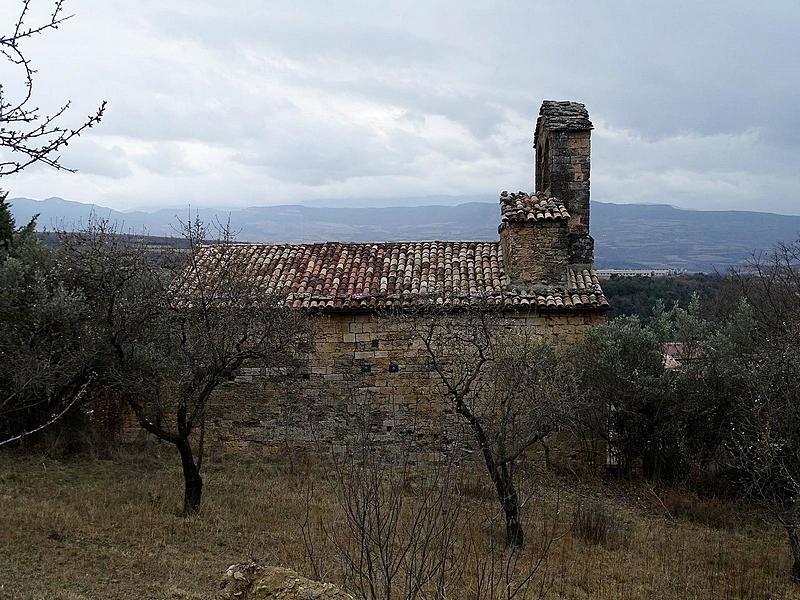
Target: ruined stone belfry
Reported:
point(544, 235)
point(562, 145)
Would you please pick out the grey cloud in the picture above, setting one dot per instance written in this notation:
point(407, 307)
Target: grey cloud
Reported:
point(91, 158)
point(695, 102)
point(167, 159)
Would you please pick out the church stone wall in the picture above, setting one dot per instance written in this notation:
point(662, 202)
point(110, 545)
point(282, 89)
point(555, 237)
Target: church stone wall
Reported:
point(365, 371)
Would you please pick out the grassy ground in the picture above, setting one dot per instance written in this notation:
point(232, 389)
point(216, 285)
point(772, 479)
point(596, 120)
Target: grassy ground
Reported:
point(88, 528)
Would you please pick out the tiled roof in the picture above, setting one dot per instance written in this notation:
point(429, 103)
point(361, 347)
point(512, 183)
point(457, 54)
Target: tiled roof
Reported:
point(521, 206)
point(363, 276)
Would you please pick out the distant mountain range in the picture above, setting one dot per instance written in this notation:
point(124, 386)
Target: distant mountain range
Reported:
point(626, 235)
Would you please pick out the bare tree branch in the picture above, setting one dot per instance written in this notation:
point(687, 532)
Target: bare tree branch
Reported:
point(27, 136)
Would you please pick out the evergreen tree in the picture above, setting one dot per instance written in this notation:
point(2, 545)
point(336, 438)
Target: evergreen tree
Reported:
point(6, 222)
point(10, 235)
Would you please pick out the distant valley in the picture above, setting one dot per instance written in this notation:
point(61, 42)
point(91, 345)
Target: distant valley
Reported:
point(626, 235)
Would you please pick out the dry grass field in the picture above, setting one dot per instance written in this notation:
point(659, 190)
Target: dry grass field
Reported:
point(86, 528)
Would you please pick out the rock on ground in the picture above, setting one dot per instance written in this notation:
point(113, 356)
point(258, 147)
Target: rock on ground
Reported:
point(249, 581)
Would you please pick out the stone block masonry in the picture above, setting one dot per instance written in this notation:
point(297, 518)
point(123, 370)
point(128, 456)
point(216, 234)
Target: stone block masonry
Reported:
point(365, 371)
point(563, 161)
point(536, 252)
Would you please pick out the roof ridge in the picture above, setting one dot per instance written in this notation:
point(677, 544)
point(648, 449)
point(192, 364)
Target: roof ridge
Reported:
point(245, 244)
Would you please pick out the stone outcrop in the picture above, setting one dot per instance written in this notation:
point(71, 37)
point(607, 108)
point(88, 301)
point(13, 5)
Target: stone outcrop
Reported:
point(249, 581)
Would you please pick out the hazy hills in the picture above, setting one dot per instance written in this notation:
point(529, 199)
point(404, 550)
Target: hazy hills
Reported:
point(626, 235)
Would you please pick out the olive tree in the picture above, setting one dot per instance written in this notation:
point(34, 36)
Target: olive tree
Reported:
point(45, 336)
point(621, 369)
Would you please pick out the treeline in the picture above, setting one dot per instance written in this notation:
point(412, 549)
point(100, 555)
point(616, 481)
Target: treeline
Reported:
point(708, 396)
point(636, 296)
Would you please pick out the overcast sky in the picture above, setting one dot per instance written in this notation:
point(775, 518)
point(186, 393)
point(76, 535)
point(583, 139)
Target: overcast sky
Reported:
point(695, 104)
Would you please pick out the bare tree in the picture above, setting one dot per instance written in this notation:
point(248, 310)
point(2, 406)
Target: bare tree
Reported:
point(216, 319)
point(511, 388)
point(770, 283)
point(767, 444)
point(28, 135)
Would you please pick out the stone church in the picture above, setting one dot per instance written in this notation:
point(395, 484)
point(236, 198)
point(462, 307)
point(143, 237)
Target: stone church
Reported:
point(539, 273)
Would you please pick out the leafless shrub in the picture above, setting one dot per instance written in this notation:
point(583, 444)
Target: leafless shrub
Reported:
point(592, 523)
point(498, 571)
point(396, 525)
point(409, 528)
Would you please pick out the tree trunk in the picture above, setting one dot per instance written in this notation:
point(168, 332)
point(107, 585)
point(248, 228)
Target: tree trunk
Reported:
point(191, 476)
point(793, 532)
point(515, 536)
point(507, 494)
point(502, 476)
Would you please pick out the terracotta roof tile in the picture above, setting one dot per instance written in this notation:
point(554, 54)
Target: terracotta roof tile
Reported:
point(524, 207)
point(363, 276)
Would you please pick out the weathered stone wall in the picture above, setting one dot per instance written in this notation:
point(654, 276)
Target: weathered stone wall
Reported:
point(536, 251)
point(563, 166)
point(366, 370)
point(568, 164)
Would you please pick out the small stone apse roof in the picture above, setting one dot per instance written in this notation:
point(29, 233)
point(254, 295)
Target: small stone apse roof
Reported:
point(339, 276)
point(524, 207)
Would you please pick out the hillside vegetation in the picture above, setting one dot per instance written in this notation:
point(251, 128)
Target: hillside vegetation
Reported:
point(637, 296)
point(601, 470)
